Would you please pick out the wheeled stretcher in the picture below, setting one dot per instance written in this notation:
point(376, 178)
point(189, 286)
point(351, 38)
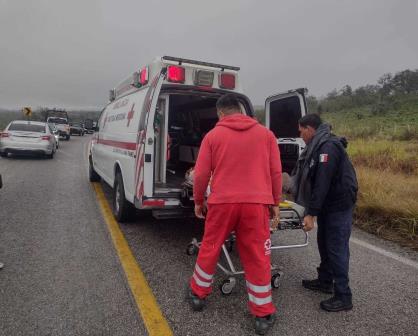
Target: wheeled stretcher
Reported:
point(291, 218)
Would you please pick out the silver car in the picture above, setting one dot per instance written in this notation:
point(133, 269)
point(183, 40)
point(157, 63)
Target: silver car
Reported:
point(27, 137)
point(56, 133)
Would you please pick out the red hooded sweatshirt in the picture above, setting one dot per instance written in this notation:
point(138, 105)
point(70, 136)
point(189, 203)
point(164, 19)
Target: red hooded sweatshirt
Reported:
point(243, 159)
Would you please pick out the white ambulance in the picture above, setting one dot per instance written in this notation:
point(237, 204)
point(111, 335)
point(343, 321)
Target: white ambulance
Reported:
point(148, 135)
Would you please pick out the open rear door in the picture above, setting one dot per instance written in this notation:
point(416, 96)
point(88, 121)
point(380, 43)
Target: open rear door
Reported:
point(283, 112)
point(145, 159)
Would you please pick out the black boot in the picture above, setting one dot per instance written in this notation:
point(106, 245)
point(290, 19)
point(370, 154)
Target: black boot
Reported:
point(336, 304)
point(263, 324)
point(195, 302)
point(316, 285)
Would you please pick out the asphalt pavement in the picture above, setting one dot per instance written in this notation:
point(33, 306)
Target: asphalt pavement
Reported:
point(62, 276)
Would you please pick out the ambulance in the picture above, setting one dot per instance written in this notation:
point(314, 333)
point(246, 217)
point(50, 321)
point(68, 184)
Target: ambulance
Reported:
point(148, 136)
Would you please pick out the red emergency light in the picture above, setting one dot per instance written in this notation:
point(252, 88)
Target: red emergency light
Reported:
point(227, 80)
point(144, 76)
point(176, 74)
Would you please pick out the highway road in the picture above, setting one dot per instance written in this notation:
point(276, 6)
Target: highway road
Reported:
point(63, 275)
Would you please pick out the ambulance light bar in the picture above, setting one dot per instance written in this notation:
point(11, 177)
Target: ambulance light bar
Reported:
point(203, 78)
point(175, 74)
point(226, 80)
point(144, 76)
point(213, 65)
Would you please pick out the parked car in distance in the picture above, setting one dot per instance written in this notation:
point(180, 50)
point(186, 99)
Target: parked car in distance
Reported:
point(89, 125)
point(62, 125)
point(56, 133)
point(27, 137)
point(77, 128)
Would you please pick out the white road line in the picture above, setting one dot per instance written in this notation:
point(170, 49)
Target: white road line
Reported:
point(388, 254)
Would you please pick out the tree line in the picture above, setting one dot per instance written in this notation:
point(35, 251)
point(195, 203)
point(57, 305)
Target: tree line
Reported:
point(381, 97)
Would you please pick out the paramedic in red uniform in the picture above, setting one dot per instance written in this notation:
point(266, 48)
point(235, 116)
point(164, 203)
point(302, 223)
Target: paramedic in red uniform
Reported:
point(242, 160)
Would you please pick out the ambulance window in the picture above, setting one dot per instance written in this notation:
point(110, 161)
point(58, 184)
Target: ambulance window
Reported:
point(284, 116)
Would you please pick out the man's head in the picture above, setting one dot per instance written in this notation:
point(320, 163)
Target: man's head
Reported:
point(308, 125)
point(227, 105)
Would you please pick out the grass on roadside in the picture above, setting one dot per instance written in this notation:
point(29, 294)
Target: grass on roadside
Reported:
point(400, 157)
point(388, 205)
point(360, 123)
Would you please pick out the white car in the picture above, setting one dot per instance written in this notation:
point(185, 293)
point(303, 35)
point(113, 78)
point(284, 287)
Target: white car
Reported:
point(56, 133)
point(27, 137)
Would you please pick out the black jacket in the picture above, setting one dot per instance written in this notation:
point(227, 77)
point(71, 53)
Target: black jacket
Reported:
point(333, 178)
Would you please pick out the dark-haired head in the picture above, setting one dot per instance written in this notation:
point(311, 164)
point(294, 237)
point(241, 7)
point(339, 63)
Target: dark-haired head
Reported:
point(227, 104)
point(308, 125)
point(312, 120)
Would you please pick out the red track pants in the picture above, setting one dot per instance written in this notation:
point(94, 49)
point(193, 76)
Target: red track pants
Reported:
point(251, 225)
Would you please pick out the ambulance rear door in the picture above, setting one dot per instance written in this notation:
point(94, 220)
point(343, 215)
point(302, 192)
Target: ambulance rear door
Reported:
point(283, 111)
point(147, 138)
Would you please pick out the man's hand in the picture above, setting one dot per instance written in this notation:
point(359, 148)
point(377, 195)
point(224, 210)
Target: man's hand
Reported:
point(308, 223)
point(200, 210)
point(275, 216)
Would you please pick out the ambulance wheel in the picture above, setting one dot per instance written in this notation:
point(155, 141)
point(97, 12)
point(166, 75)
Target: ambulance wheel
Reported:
point(227, 286)
point(122, 209)
point(191, 249)
point(275, 280)
point(93, 176)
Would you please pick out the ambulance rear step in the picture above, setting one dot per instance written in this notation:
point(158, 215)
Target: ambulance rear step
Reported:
point(173, 213)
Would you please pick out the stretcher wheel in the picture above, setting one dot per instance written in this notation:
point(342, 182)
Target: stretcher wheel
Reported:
point(191, 249)
point(275, 280)
point(227, 286)
point(230, 245)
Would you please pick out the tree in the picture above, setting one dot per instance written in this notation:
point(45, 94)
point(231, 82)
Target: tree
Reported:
point(347, 90)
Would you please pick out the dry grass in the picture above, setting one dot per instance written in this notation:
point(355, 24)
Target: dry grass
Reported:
point(388, 205)
point(399, 157)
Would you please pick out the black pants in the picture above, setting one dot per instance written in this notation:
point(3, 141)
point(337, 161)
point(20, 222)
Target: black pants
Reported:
point(334, 230)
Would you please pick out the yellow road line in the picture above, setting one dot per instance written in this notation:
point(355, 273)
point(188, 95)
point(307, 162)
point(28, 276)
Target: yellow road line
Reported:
point(151, 314)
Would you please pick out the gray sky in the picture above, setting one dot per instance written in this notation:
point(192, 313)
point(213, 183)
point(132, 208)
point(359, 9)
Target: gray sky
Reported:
point(70, 53)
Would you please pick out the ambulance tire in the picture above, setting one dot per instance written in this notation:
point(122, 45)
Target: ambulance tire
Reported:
point(122, 209)
point(93, 176)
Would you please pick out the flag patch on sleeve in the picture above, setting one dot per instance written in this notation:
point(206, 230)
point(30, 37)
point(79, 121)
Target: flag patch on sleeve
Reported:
point(323, 158)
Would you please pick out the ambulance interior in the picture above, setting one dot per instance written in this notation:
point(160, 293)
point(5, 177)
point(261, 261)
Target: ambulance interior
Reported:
point(180, 124)
point(182, 121)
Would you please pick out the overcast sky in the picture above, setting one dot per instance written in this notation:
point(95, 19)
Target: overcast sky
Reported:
point(70, 53)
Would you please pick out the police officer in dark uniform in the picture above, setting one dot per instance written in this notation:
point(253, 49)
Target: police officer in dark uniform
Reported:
point(325, 183)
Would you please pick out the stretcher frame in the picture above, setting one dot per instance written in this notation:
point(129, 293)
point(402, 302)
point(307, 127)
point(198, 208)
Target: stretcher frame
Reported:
point(291, 218)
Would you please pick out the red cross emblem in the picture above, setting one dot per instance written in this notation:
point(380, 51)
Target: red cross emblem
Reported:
point(267, 244)
point(130, 115)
